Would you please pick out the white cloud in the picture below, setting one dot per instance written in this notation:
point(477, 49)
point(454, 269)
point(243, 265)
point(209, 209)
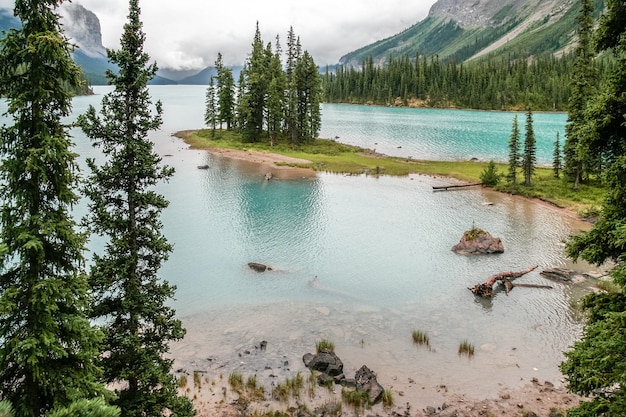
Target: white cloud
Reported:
point(190, 33)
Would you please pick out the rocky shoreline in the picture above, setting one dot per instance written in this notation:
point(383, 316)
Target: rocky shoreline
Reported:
point(270, 344)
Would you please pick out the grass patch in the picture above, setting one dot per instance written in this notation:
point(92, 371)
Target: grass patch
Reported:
point(421, 338)
point(197, 379)
point(290, 388)
point(182, 381)
point(254, 391)
point(327, 155)
point(474, 232)
point(312, 385)
point(235, 380)
point(324, 344)
point(466, 348)
point(609, 286)
point(387, 399)
point(357, 399)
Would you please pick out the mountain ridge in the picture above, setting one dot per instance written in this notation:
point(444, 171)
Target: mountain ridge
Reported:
point(466, 30)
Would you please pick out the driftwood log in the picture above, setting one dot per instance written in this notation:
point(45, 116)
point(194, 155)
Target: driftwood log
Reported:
point(486, 288)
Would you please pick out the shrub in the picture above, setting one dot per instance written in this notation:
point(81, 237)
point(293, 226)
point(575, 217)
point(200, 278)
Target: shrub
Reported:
point(490, 177)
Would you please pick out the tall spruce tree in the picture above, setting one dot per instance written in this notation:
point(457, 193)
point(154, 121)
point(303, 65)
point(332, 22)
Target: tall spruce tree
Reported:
point(294, 51)
point(255, 90)
point(514, 152)
point(225, 93)
point(307, 83)
point(128, 294)
point(529, 157)
point(211, 112)
point(276, 94)
point(47, 345)
point(595, 365)
point(556, 157)
point(576, 148)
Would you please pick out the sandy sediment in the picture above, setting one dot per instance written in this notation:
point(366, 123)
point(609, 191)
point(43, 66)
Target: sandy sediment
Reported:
point(225, 342)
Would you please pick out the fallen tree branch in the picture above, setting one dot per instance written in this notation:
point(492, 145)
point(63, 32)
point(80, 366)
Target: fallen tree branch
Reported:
point(486, 288)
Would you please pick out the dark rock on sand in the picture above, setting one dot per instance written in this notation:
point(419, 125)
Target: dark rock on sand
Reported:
point(366, 382)
point(325, 362)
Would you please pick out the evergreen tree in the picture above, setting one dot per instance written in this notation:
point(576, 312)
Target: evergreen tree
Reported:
point(129, 297)
point(576, 148)
point(595, 365)
point(294, 51)
point(556, 158)
point(307, 83)
point(255, 92)
point(276, 94)
point(529, 157)
point(514, 152)
point(47, 345)
point(211, 112)
point(241, 113)
point(225, 93)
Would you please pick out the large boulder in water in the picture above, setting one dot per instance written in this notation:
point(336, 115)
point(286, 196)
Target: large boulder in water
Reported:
point(478, 242)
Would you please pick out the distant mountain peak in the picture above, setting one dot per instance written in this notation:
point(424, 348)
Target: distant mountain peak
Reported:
point(492, 13)
point(82, 26)
point(468, 29)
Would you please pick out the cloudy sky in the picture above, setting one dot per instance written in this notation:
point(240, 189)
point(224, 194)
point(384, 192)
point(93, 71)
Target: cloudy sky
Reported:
point(189, 33)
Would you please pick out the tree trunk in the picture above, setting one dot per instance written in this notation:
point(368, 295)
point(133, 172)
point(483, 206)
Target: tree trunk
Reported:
point(486, 288)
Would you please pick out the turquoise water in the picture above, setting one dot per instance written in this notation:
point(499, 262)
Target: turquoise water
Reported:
point(439, 134)
point(374, 252)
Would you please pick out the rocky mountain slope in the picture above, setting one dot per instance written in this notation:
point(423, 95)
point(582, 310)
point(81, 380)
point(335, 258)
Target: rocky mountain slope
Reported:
point(468, 29)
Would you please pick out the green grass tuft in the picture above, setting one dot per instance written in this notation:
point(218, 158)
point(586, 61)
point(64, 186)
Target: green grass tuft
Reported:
point(466, 348)
point(324, 344)
point(182, 381)
point(355, 398)
point(387, 399)
point(235, 380)
point(421, 338)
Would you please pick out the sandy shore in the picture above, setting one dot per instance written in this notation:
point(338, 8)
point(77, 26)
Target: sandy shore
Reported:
point(224, 342)
point(261, 163)
point(221, 343)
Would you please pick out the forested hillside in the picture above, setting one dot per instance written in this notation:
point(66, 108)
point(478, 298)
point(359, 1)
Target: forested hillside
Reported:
point(508, 83)
point(435, 69)
point(454, 29)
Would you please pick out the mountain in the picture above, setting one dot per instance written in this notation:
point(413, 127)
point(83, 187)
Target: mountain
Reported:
point(469, 29)
point(82, 26)
point(204, 76)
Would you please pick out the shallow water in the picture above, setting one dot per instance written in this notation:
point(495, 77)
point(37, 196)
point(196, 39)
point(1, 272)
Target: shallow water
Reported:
point(359, 260)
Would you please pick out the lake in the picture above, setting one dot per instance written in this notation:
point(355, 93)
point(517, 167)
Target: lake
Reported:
point(361, 260)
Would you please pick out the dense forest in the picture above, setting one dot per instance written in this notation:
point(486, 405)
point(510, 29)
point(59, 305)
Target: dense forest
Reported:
point(271, 100)
point(512, 83)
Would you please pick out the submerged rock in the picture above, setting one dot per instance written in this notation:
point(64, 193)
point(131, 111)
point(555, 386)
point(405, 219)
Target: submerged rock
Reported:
point(568, 275)
point(478, 242)
point(258, 267)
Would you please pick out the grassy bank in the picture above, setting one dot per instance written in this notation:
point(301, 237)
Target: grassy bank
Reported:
point(330, 156)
